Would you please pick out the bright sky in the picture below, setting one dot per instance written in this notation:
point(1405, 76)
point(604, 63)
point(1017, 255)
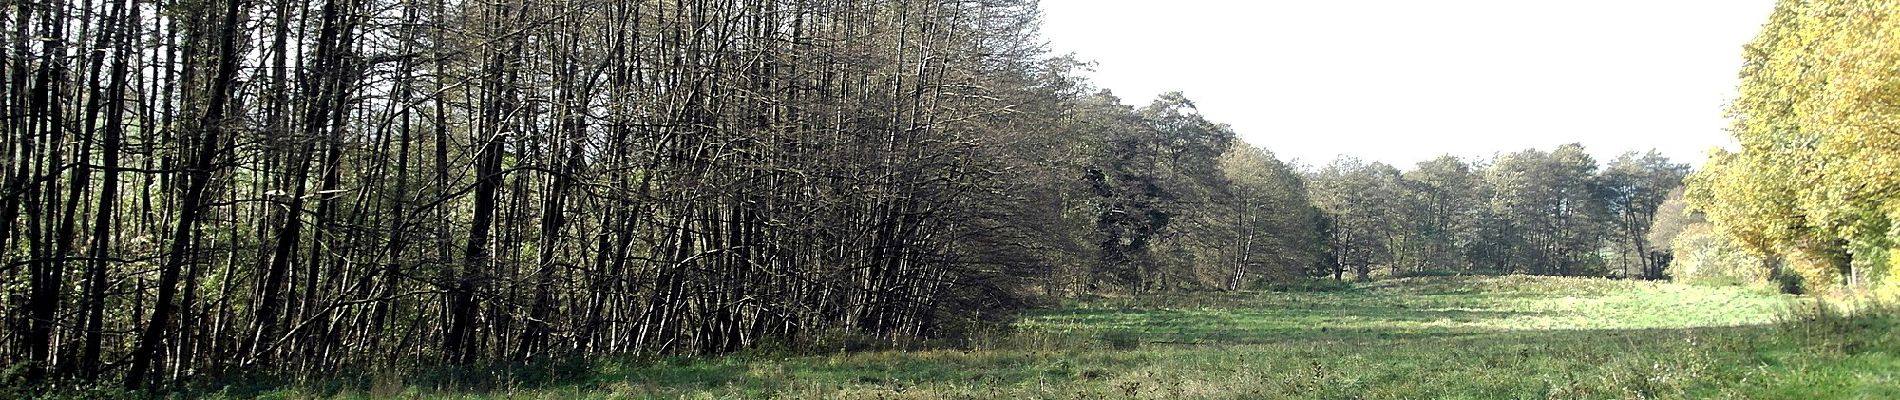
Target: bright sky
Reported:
point(1402, 81)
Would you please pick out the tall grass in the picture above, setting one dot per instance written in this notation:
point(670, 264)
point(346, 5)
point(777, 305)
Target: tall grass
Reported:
point(1425, 337)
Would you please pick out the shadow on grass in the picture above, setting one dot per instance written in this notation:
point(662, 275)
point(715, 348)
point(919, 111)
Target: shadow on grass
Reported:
point(480, 380)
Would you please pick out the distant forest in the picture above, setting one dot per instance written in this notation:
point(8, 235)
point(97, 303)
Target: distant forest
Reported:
point(195, 188)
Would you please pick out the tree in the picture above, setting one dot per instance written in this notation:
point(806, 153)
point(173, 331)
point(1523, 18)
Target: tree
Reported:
point(1636, 187)
point(1360, 205)
point(302, 188)
point(1810, 190)
point(1267, 223)
point(1158, 169)
point(1443, 197)
point(1552, 202)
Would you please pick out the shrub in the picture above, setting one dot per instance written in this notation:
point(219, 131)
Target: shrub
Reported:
point(1703, 256)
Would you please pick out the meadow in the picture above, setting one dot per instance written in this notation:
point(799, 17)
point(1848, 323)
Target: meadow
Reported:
point(1434, 337)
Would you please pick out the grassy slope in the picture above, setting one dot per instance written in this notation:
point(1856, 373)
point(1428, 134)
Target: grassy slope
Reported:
point(1505, 337)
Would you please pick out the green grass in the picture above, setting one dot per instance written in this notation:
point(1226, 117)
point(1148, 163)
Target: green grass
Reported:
point(1435, 337)
point(1416, 307)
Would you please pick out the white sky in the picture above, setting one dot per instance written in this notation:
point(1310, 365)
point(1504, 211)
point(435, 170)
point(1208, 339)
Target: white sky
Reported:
point(1402, 81)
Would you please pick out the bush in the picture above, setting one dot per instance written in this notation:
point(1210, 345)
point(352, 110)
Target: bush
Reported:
point(1790, 284)
point(1703, 256)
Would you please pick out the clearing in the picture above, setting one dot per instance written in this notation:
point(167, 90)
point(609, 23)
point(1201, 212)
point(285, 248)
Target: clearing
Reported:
point(1436, 337)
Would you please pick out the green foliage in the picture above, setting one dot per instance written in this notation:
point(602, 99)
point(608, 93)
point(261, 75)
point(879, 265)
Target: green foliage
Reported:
point(1363, 211)
point(1156, 166)
point(1701, 255)
point(1553, 214)
point(1444, 203)
point(1532, 211)
point(1635, 190)
point(1262, 227)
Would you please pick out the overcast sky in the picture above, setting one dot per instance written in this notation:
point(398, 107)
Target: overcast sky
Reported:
point(1402, 81)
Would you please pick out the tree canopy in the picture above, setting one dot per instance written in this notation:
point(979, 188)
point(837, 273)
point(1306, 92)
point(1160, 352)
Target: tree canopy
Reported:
point(1812, 189)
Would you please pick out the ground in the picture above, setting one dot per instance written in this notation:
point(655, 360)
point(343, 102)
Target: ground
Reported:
point(1439, 337)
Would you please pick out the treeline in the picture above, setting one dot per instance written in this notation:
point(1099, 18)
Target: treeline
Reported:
point(199, 187)
point(1253, 219)
point(196, 188)
point(1529, 212)
point(1811, 198)
point(206, 187)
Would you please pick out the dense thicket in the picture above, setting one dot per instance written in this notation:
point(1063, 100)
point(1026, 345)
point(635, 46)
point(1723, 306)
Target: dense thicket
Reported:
point(199, 187)
point(1813, 193)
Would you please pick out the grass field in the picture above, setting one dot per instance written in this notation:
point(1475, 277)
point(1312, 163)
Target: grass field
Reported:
point(1443, 337)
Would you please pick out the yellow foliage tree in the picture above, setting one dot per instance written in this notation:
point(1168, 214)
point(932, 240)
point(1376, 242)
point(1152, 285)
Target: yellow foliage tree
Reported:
point(1816, 185)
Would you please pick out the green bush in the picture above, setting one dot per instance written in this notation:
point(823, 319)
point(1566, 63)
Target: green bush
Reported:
point(1703, 256)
